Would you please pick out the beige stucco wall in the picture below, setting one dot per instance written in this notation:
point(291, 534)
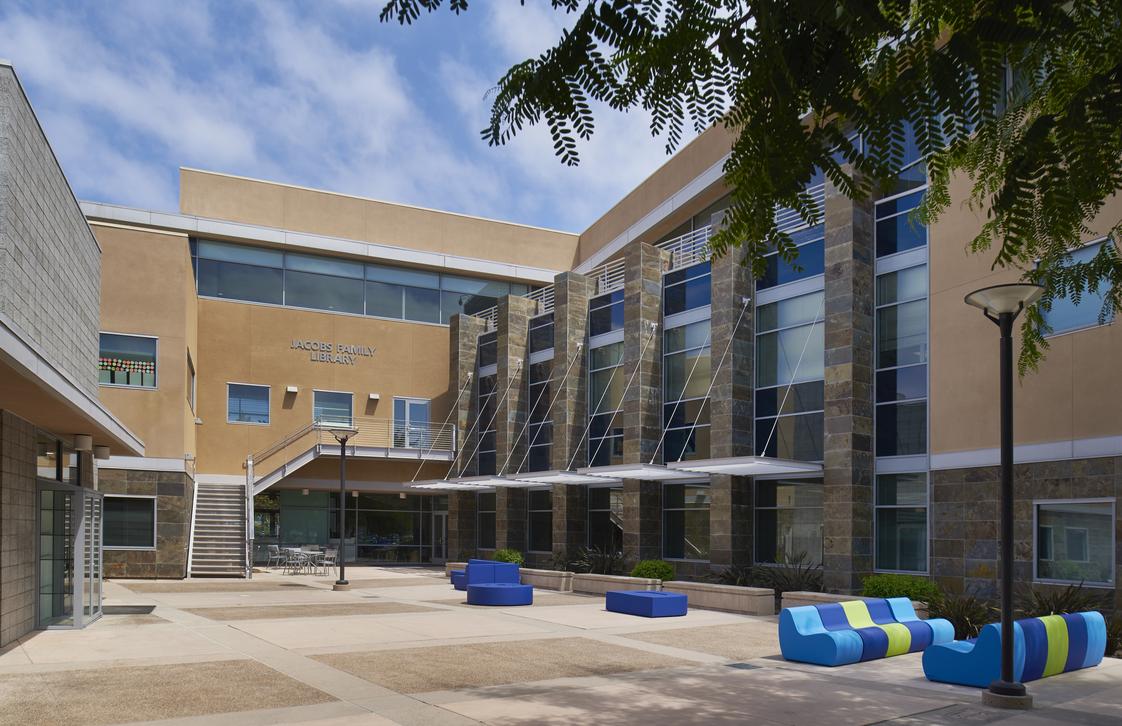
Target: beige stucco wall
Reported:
point(219, 196)
point(680, 169)
point(247, 343)
point(1076, 392)
point(147, 288)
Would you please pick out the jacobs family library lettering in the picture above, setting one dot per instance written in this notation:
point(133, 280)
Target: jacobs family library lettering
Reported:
point(320, 351)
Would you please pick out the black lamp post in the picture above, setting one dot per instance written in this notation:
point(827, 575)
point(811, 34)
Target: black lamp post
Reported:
point(342, 435)
point(1002, 304)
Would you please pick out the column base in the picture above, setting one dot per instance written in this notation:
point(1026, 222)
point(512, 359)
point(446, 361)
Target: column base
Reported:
point(999, 700)
point(341, 586)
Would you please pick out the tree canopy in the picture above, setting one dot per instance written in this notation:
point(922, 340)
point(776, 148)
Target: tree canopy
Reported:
point(1024, 98)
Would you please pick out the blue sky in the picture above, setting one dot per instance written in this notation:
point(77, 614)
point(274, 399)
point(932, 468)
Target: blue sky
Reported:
point(318, 94)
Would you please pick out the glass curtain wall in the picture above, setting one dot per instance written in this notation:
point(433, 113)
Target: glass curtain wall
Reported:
point(790, 345)
point(486, 404)
point(539, 520)
point(539, 431)
point(789, 520)
point(485, 503)
point(605, 518)
point(901, 361)
point(685, 522)
point(686, 375)
point(605, 402)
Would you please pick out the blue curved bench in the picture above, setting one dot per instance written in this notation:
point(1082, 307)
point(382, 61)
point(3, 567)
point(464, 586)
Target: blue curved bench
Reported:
point(481, 571)
point(1042, 647)
point(459, 579)
point(500, 593)
point(835, 634)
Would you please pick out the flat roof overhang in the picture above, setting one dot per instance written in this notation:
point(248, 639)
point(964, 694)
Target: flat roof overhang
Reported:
point(543, 478)
point(32, 388)
point(644, 472)
point(442, 485)
point(745, 466)
point(492, 481)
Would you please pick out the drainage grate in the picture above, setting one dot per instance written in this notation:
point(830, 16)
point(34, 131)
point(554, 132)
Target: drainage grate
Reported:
point(127, 609)
point(743, 666)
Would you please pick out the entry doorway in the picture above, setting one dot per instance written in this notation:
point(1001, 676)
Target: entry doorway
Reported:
point(439, 537)
point(69, 549)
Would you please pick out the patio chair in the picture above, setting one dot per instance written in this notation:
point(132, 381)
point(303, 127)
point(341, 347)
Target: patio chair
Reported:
point(294, 561)
point(329, 561)
point(276, 557)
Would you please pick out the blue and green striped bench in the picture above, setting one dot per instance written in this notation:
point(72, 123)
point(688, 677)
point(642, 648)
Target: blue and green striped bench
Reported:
point(1042, 647)
point(835, 634)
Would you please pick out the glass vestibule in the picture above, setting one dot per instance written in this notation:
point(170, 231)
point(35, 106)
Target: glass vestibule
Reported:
point(69, 540)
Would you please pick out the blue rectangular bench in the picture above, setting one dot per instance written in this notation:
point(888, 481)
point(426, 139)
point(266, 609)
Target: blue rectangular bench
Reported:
point(646, 603)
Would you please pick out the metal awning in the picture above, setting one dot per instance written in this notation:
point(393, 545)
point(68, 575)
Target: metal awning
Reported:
point(564, 477)
point(746, 466)
point(646, 472)
point(490, 481)
point(445, 486)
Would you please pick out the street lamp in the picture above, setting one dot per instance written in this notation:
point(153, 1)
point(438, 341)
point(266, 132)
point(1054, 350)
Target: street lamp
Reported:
point(1002, 304)
point(342, 434)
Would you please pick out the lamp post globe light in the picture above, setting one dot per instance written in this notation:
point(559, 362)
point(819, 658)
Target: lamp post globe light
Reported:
point(342, 434)
point(1002, 304)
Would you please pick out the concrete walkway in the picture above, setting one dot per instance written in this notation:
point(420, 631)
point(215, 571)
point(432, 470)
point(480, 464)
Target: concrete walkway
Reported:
point(403, 647)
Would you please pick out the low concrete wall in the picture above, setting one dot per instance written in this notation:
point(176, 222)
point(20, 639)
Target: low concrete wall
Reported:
point(795, 599)
point(730, 598)
point(600, 584)
point(449, 566)
point(547, 579)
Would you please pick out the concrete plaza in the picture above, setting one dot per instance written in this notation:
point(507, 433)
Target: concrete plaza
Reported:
point(402, 647)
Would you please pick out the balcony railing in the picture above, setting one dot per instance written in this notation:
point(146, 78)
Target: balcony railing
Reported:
point(370, 438)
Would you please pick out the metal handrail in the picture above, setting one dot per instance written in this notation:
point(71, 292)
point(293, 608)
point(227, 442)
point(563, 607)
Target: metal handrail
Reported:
point(689, 248)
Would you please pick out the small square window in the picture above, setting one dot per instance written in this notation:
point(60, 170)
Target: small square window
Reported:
point(127, 360)
point(1075, 541)
point(247, 403)
point(129, 522)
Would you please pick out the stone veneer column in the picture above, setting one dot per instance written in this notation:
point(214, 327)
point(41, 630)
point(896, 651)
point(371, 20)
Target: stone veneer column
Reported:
point(848, 419)
point(464, 332)
point(571, 293)
point(730, 408)
point(462, 516)
point(642, 308)
point(510, 440)
point(642, 520)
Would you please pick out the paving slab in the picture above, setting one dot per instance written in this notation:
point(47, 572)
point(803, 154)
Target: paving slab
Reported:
point(115, 642)
point(593, 615)
point(161, 586)
point(116, 695)
point(305, 610)
point(418, 670)
point(541, 599)
point(736, 641)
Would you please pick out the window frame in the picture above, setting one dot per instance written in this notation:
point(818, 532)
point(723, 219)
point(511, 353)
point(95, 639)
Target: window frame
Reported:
point(927, 521)
point(268, 402)
point(156, 371)
point(155, 522)
point(351, 420)
point(591, 452)
point(675, 404)
point(1036, 578)
point(407, 422)
point(877, 370)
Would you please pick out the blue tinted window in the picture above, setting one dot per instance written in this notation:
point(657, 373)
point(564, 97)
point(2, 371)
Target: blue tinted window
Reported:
point(686, 289)
point(901, 384)
point(896, 230)
point(811, 260)
point(1065, 313)
point(902, 429)
point(236, 281)
point(247, 403)
point(795, 437)
point(605, 313)
point(323, 292)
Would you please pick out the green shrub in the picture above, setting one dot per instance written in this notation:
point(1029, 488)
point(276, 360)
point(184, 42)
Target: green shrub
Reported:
point(507, 555)
point(1036, 602)
point(965, 612)
point(741, 575)
point(598, 561)
point(909, 586)
point(654, 569)
point(796, 573)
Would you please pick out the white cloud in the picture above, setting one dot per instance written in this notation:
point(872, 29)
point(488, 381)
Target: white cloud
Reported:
point(131, 91)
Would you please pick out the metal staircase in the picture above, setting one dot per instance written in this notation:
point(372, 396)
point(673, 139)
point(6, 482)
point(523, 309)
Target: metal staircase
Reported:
point(218, 531)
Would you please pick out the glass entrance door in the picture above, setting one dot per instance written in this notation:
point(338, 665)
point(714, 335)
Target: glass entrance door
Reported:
point(439, 537)
point(69, 592)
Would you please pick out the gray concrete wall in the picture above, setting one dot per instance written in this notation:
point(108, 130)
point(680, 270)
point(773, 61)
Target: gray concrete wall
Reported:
point(50, 264)
point(17, 527)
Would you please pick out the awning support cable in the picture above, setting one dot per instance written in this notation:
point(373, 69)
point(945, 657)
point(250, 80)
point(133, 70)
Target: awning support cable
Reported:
point(794, 374)
point(681, 395)
point(479, 439)
point(529, 444)
point(443, 426)
point(623, 397)
point(746, 301)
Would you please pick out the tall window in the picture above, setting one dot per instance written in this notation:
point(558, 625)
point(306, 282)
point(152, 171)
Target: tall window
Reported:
point(896, 230)
point(332, 407)
point(1066, 314)
point(129, 522)
point(605, 518)
point(487, 451)
point(485, 501)
point(539, 507)
point(127, 360)
point(539, 432)
point(686, 289)
point(685, 413)
point(685, 522)
point(789, 520)
point(247, 403)
point(605, 313)
point(605, 400)
point(411, 423)
point(1075, 541)
point(402, 294)
point(901, 522)
point(901, 361)
point(811, 259)
point(541, 333)
point(790, 348)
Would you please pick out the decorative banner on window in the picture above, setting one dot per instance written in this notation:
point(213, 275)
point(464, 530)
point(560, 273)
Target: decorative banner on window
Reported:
point(321, 351)
point(126, 365)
